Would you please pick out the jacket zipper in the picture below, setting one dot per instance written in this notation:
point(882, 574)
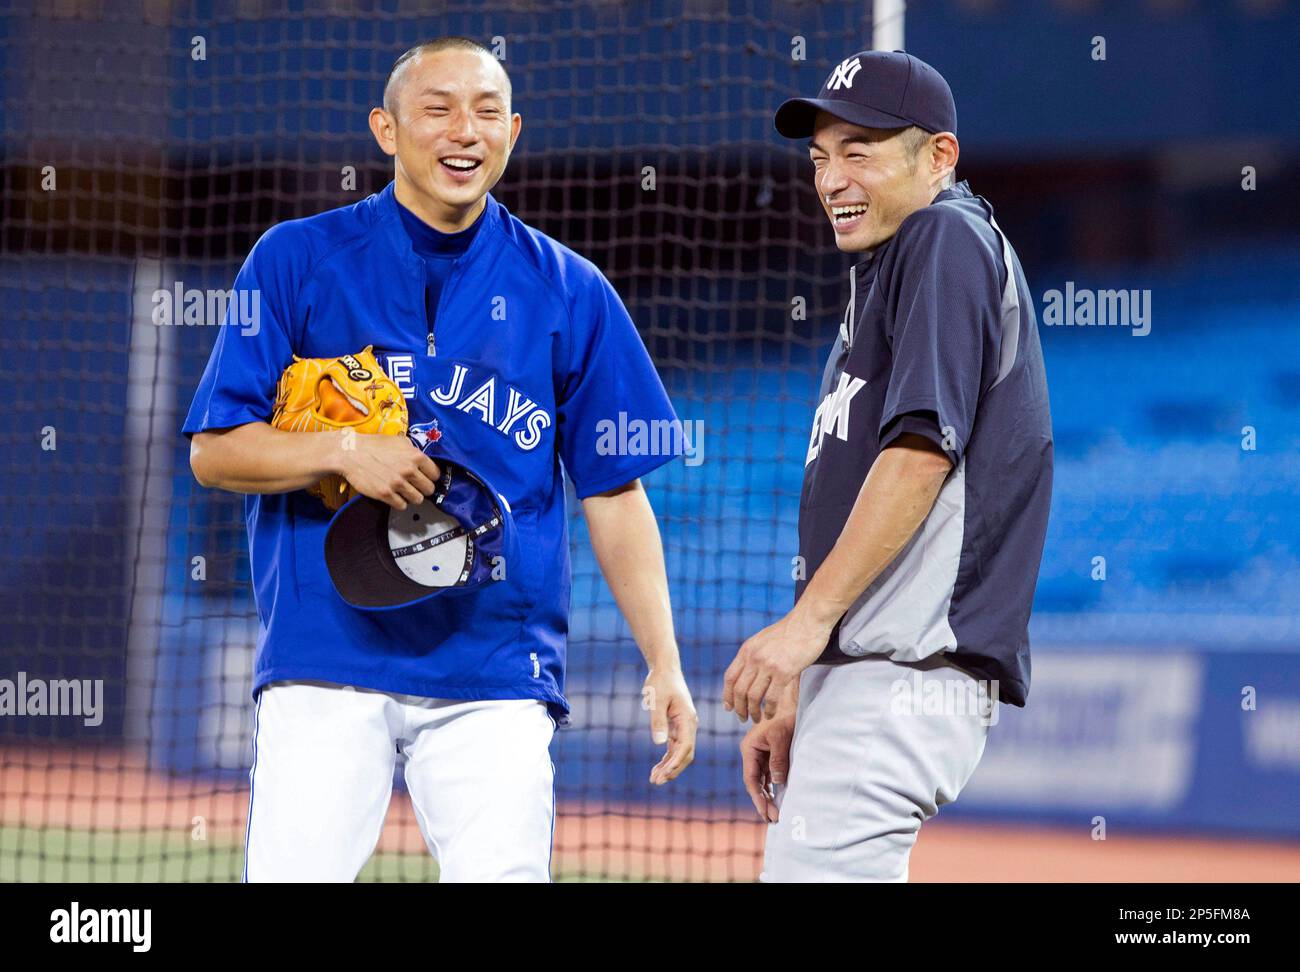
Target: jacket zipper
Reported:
point(430, 346)
point(847, 328)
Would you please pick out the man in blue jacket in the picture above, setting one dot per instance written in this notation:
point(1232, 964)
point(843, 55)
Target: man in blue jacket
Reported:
point(516, 354)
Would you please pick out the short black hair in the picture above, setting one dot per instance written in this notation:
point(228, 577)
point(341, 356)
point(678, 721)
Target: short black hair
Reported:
point(450, 42)
point(914, 139)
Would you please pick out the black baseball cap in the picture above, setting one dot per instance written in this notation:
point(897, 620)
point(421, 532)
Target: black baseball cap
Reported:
point(876, 89)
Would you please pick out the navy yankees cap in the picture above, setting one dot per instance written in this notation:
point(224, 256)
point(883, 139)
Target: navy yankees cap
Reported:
point(876, 89)
point(380, 558)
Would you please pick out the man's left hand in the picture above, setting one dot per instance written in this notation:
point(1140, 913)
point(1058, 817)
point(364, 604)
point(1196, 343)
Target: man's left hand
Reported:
point(768, 662)
point(673, 721)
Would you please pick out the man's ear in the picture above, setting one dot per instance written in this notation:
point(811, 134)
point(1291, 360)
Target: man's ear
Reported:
point(944, 151)
point(384, 127)
point(516, 123)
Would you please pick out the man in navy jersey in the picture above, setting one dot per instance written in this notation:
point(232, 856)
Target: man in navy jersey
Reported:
point(513, 353)
point(926, 488)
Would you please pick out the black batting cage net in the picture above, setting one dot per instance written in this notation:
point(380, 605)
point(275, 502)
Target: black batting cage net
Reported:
point(146, 148)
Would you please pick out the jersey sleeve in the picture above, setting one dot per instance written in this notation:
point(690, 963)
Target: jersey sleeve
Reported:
point(944, 301)
point(615, 422)
point(254, 343)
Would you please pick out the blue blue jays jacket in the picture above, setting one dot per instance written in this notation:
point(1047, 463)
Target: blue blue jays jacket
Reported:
point(530, 358)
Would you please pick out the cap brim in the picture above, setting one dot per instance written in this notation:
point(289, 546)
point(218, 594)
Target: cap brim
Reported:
point(798, 116)
point(356, 548)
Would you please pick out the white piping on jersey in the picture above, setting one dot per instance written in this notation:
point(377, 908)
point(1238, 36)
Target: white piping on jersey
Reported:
point(1010, 343)
point(847, 323)
point(1010, 310)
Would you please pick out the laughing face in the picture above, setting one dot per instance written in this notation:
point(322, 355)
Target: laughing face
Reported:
point(448, 123)
point(868, 181)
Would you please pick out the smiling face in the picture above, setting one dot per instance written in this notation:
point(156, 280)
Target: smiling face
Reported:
point(447, 121)
point(869, 180)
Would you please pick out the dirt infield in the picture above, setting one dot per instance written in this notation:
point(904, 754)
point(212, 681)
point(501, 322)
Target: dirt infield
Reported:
point(948, 851)
point(100, 795)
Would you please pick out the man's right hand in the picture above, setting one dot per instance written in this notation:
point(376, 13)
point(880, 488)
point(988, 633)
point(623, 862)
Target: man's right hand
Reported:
point(765, 758)
point(388, 468)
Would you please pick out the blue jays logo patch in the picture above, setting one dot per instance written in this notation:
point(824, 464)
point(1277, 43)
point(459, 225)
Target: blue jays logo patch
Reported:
point(422, 433)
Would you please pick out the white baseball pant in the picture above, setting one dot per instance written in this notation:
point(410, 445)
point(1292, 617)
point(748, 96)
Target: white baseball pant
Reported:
point(479, 775)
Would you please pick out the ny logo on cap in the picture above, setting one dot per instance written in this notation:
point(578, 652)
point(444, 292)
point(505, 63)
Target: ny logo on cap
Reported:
point(842, 76)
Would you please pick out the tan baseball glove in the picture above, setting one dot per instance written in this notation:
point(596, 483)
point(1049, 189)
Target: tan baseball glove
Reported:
point(335, 394)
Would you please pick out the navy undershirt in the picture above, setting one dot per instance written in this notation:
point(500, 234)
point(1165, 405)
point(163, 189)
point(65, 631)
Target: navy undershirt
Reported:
point(439, 251)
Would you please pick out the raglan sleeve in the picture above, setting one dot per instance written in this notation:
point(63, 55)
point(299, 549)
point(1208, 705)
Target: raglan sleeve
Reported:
point(615, 422)
point(254, 343)
point(944, 304)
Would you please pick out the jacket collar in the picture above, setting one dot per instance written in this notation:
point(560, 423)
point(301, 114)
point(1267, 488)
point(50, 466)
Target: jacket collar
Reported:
point(390, 226)
point(962, 190)
point(857, 285)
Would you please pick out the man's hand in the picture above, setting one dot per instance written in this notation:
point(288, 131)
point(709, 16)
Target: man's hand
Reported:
point(625, 539)
point(672, 721)
point(388, 468)
point(768, 662)
point(765, 760)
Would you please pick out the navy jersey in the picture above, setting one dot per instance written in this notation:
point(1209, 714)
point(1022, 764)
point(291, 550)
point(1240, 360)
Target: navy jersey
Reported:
point(940, 339)
point(529, 357)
